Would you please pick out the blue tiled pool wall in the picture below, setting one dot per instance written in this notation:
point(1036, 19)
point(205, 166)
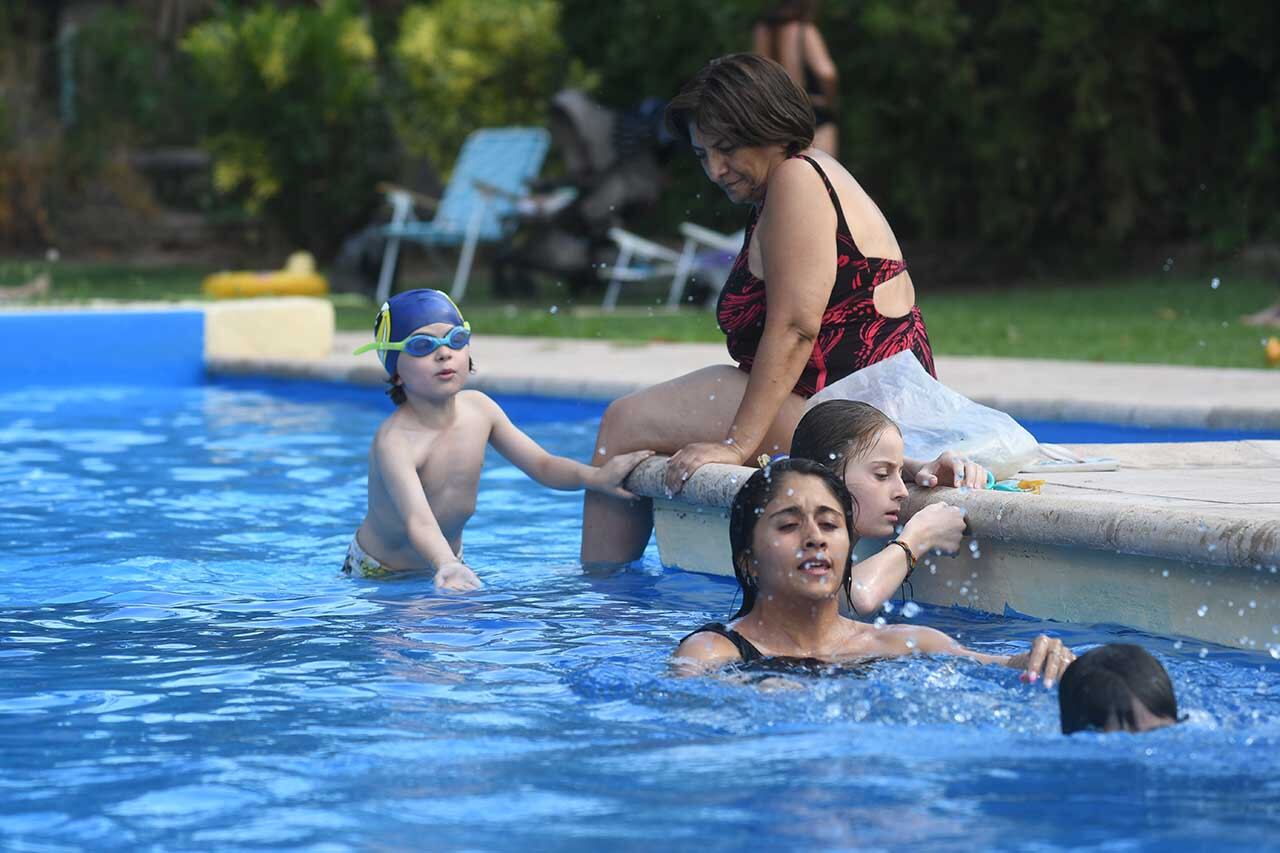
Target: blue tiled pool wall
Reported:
point(75, 348)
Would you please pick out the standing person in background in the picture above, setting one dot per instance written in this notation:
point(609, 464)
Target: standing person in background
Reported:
point(788, 36)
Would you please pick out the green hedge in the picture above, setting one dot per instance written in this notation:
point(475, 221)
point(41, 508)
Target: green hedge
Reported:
point(1017, 124)
point(296, 120)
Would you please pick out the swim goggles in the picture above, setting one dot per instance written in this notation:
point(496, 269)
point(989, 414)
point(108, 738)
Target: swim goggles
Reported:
point(423, 344)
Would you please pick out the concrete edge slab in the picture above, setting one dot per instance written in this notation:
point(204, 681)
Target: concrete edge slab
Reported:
point(1222, 535)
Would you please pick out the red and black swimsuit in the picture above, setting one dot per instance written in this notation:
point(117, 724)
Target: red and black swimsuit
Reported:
point(853, 335)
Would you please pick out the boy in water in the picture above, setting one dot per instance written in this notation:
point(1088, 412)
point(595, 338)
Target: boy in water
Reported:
point(424, 465)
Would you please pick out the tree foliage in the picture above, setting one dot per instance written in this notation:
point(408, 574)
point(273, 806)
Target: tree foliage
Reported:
point(296, 120)
point(1015, 124)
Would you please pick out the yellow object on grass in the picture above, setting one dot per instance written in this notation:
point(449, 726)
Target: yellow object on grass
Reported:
point(298, 278)
point(1273, 352)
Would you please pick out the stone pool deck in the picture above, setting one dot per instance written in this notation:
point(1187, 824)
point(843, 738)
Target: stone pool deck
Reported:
point(1184, 539)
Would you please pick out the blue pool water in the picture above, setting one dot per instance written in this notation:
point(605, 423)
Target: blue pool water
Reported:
point(184, 668)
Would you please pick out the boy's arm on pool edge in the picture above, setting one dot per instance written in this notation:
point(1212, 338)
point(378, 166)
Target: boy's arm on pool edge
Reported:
point(395, 462)
point(557, 472)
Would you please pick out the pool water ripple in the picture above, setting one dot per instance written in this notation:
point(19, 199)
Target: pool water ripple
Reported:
point(184, 666)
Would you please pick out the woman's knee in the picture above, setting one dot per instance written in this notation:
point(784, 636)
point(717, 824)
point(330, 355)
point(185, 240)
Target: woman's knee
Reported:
point(618, 428)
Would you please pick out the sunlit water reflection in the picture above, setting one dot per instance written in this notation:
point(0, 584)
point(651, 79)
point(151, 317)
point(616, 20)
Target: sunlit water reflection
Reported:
point(184, 666)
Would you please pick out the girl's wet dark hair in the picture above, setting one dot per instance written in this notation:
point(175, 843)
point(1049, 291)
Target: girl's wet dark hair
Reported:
point(749, 504)
point(1099, 688)
point(743, 100)
point(836, 431)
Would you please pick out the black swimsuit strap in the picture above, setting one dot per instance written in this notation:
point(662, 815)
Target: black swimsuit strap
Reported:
point(748, 652)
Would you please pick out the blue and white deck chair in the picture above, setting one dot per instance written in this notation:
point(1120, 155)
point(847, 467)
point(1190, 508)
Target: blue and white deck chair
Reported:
point(489, 177)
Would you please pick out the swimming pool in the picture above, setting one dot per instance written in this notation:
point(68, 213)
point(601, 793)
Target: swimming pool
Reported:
point(185, 667)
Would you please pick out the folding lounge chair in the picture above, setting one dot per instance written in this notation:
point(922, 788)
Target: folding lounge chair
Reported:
point(640, 259)
point(489, 177)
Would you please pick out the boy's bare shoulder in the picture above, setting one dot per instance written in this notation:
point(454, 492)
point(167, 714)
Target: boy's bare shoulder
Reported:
point(391, 431)
point(479, 403)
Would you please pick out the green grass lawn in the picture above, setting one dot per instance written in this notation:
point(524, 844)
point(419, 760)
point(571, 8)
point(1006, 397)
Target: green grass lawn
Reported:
point(1171, 318)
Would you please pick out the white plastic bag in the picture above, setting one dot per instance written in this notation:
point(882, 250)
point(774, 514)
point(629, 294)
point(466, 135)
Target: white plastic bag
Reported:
point(933, 418)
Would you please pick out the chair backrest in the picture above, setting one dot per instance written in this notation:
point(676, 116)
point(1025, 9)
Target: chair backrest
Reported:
point(505, 157)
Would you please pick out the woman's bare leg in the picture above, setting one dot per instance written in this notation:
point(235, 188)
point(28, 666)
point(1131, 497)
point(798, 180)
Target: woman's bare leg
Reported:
point(695, 407)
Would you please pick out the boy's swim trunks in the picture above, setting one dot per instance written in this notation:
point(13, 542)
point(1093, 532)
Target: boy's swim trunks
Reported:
point(362, 565)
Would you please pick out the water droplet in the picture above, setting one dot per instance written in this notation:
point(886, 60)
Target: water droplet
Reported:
point(1204, 653)
point(555, 309)
point(911, 644)
point(1253, 605)
point(1213, 546)
point(1177, 644)
point(973, 545)
point(790, 492)
point(1215, 283)
point(601, 451)
point(888, 607)
point(911, 610)
point(1202, 610)
point(1275, 652)
point(1164, 574)
point(832, 455)
point(964, 590)
point(880, 623)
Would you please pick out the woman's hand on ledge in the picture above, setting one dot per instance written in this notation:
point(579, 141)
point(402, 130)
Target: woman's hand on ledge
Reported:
point(691, 457)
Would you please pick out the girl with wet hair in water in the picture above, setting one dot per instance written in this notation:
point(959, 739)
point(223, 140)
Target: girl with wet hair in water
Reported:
point(1118, 687)
point(864, 447)
point(791, 533)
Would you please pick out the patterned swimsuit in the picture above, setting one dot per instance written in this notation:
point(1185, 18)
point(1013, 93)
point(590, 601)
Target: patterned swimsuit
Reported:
point(853, 335)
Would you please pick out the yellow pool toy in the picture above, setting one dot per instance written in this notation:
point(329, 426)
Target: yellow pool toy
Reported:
point(298, 278)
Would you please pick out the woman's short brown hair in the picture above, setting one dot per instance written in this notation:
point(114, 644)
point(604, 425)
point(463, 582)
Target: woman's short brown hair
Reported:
point(744, 100)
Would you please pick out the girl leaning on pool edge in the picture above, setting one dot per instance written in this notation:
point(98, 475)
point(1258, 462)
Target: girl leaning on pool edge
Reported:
point(791, 533)
point(818, 291)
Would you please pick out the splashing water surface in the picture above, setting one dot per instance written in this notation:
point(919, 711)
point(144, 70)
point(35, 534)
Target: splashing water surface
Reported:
point(184, 666)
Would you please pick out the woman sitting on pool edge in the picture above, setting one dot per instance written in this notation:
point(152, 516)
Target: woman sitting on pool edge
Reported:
point(819, 290)
point(791, 534)
point(865, 449)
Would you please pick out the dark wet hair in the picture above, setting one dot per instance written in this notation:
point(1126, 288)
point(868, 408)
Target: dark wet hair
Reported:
point(744, 100)
point(749, 504)
point(1099, 688)
point(836, 431)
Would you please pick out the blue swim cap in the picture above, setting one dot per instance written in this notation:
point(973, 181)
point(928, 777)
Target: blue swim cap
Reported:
point(404, 312)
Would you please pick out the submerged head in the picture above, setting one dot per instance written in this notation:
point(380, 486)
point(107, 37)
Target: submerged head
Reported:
point(791, 533)
point(1118, 687)
point(426, 326)
point(742, 113)
point(864, 447)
